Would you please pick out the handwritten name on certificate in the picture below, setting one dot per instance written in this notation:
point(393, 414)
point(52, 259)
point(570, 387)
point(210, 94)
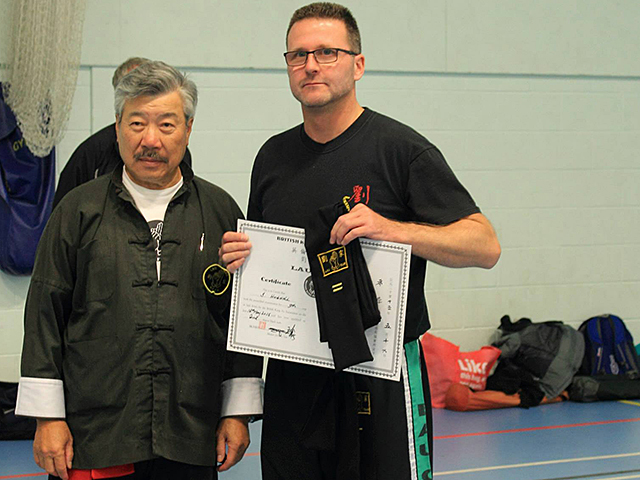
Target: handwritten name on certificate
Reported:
point(273, 309)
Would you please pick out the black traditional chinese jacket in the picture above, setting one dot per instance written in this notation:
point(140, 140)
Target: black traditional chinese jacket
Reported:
point(141, 360)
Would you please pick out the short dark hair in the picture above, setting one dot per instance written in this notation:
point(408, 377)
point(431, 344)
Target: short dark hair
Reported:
point(330, 10)
point(126, 66)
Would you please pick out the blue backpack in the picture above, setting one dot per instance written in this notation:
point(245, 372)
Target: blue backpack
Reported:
point(609, 347)
point(26, 192)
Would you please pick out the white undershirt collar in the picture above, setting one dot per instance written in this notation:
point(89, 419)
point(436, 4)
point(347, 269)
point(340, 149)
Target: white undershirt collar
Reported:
point(152, 204)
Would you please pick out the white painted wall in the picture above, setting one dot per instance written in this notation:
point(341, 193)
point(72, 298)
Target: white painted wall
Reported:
point(536, 105)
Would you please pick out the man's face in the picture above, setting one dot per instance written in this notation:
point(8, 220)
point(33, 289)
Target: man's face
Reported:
point(315, 85)
point(152, 138)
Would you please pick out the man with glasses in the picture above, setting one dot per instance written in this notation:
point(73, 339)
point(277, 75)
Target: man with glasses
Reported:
point(319, 423)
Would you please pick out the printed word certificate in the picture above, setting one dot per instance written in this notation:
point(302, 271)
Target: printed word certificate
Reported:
point(273, 309)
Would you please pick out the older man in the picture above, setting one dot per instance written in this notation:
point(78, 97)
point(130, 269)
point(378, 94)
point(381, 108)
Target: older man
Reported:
point(124, 361)
point(98, 155)
point(320, 424)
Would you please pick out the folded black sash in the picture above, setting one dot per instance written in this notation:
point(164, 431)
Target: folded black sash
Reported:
point(345, 298)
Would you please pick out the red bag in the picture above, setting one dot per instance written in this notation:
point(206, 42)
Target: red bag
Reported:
point(447, 364)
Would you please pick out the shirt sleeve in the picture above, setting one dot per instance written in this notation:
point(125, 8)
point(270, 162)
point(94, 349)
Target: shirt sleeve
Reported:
point(242, 396)
point(254, 209)
point(78, 170)
point(242, 386)
point(48, 305)
point(40, 397)
point(435, 195)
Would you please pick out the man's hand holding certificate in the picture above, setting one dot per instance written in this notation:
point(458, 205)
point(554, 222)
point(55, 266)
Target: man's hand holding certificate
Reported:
point(273, 310)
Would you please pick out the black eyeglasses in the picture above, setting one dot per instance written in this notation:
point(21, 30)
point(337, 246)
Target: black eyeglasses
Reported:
point(322, 55)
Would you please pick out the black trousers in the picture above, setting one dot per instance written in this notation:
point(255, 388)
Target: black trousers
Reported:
point(389, 440)
point(163, 469)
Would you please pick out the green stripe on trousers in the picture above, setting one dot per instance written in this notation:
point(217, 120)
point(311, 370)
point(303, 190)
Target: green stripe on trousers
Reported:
point(420, 433)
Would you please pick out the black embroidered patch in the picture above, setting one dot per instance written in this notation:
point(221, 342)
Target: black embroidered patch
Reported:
point(363, 403)
point(333, 261)
point(216, 279)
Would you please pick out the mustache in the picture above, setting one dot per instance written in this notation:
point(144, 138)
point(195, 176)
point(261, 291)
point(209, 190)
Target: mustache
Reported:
point(152, 154)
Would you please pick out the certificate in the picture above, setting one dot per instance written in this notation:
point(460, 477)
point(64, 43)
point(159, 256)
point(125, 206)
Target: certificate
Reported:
point(273, 309)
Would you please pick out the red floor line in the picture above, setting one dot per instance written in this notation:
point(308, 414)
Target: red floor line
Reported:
point(24, 475)
point(533, 429)
point(252, 454)
point(441, 437)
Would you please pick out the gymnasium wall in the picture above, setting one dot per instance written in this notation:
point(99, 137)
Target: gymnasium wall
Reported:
point(536, 106)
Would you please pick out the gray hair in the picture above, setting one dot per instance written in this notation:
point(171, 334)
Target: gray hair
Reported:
point(154, 79)
point(125, 67)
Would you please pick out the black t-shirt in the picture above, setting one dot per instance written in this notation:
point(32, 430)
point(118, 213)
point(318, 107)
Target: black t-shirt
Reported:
point(377, 161)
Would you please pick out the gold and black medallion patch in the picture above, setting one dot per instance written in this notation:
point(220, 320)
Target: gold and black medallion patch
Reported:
point(333, 261)
point(216, 279)
point(363, 403)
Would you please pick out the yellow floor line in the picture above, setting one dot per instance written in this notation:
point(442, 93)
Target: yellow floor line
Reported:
point(629, 402)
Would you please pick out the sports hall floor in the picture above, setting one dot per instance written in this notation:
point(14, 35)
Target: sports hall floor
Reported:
point(563, 441)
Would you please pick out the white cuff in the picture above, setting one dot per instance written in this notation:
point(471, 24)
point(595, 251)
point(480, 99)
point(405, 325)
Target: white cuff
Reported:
point(242, 396)
point(40, 397)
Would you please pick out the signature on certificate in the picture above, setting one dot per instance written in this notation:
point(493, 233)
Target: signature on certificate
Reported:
point(290, 332)
point(254, 314)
